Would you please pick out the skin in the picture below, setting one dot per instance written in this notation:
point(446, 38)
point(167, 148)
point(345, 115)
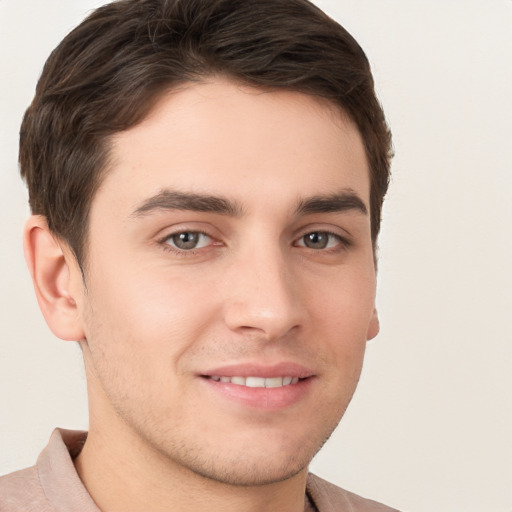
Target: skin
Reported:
point(153, 319)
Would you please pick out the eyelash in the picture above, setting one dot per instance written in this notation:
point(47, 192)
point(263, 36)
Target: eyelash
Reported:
point(343, 244)
point(164, 242)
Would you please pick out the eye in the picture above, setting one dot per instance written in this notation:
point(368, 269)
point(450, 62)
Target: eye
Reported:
point(319, 240)
point(188, 240)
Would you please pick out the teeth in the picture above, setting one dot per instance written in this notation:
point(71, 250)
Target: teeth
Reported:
point(258, 382)
point(255, 382)
point(275, 382)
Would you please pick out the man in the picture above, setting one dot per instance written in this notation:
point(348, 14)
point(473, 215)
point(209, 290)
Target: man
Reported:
point(206, 179)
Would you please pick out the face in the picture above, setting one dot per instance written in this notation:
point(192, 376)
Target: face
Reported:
point(230, 281)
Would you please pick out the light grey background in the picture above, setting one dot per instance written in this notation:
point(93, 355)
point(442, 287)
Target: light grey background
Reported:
point(430, 427)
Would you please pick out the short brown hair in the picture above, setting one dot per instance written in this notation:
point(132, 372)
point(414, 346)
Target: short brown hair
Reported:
point(105, 76)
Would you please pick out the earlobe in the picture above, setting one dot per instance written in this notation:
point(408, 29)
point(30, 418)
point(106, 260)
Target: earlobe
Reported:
point(374, 326)
point(54, 278)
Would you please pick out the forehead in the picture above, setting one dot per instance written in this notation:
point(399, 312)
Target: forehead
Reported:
point(228, 139)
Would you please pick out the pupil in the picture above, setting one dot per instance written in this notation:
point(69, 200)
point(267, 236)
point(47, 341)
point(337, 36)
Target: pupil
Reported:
point(186, 240)
point(316, 240)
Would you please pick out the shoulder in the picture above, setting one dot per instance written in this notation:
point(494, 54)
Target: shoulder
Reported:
point(331, 498)
point(21, 491)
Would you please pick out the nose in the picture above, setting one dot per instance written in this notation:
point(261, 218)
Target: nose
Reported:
point(261, 295)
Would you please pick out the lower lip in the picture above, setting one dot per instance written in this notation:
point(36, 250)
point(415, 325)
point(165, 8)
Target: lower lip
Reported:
point(261, 398)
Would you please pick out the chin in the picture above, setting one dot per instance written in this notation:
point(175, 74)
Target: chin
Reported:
point(252, 463)
point(245, 473)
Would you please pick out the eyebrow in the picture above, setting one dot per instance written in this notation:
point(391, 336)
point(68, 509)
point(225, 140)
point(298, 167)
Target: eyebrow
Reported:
point(173, 200)
point(346, 200)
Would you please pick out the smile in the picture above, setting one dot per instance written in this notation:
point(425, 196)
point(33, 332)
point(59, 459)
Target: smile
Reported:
point(261, 387)
point(257, 382)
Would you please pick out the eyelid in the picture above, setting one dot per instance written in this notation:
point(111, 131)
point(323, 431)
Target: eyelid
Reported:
point(163, 240)
point(168, 239)
point(324, 227)
point(342, 241)
point(186, 226)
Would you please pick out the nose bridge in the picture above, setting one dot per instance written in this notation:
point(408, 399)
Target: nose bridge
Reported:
point(262, 294)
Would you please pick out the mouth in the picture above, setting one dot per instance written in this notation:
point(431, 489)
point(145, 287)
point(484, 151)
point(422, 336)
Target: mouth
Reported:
point(262, 387)
point(256, 382)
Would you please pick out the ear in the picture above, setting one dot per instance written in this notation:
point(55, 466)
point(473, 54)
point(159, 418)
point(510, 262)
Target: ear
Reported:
point(374, 326)
point(56, 277)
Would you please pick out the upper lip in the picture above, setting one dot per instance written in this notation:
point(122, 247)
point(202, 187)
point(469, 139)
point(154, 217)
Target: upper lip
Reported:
point(282, 369)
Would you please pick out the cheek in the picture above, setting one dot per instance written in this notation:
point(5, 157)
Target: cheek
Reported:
point(345, 303)
point(149, 312)
point(341, 313)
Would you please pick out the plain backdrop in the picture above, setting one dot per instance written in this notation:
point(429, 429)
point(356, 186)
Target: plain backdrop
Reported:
point(430, 427)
